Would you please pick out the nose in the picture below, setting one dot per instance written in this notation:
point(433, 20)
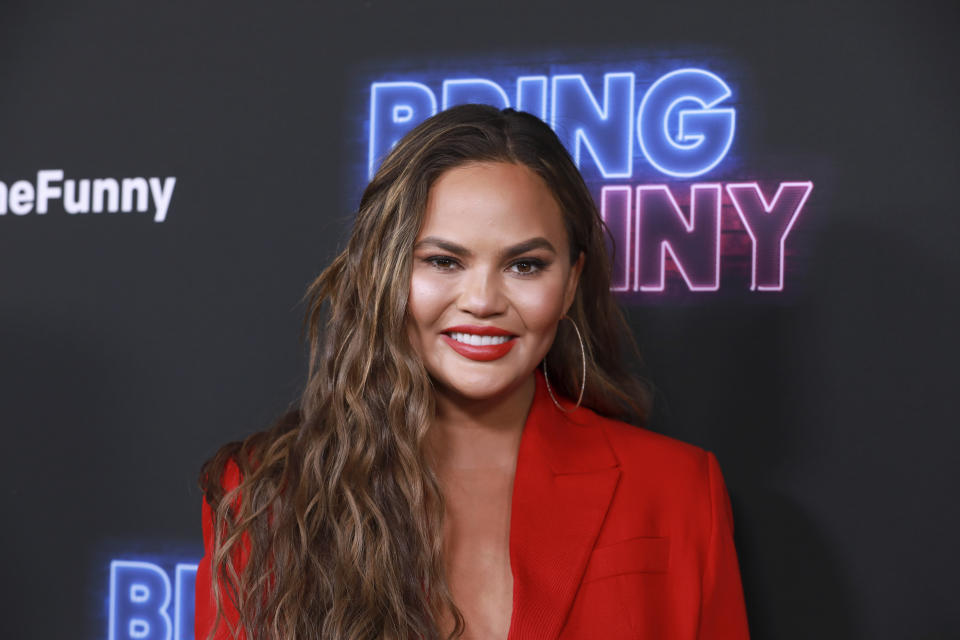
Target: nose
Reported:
point(481, 293)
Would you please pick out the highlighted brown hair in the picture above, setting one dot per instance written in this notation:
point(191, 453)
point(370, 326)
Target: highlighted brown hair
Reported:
point(341, 509)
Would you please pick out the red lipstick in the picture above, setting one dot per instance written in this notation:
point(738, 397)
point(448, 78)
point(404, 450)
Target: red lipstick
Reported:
point(479, 352)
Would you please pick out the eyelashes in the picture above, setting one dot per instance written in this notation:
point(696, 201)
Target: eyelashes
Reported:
point(533, 265)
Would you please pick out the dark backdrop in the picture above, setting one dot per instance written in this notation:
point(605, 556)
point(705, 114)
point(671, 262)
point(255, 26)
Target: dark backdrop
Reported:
point(130, 349)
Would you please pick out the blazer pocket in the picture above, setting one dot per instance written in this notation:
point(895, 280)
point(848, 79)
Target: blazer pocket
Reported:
point(635, 555)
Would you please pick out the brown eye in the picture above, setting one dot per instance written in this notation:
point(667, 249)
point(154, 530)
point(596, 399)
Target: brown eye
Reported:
point(443, 263)
point(528, 267)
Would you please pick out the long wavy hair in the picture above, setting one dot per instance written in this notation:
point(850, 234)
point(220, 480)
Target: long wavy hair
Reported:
point(337, 502)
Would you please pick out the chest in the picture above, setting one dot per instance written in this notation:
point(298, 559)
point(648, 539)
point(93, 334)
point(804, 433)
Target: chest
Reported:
point(477, 550)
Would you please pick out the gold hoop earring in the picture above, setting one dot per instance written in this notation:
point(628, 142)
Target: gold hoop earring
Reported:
point(583, 375)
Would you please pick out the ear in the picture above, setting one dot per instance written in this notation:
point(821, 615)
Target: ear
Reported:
point(572, 281)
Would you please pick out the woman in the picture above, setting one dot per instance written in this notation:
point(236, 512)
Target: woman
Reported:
point(458, 463)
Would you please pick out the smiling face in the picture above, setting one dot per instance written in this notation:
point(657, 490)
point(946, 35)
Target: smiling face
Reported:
point(490, 280)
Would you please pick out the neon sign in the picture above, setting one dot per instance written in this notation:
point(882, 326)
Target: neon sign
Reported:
point(679, 126)
point(669, 235)
point(657, 226)
point(145, 605)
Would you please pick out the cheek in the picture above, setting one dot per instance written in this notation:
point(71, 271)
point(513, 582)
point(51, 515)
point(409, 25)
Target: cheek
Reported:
point(426, 302)
point(540, 306)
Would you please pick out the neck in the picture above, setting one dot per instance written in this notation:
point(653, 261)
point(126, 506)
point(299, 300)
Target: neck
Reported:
point(480, 435)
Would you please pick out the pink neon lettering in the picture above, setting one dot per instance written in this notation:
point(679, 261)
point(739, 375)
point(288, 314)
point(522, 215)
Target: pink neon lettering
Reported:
point(694, 246)
point(768, 225)
point(616, 211)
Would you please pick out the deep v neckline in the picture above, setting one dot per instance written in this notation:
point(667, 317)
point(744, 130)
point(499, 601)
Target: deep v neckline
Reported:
point(503, 498)
point(564, 479)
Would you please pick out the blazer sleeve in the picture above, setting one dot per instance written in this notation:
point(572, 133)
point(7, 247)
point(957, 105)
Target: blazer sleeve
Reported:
point(205, 611)
point(723, 613)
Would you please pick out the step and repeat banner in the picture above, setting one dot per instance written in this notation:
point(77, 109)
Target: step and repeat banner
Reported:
point(778, 185)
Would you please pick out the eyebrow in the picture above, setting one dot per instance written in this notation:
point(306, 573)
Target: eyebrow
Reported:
point(538, 242)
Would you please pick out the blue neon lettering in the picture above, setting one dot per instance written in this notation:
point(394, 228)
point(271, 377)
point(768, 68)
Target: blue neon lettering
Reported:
point(395, 109)
point(532, 95)
point(139, 598)
point(402, 113)
point(138, 628)
point(185, 582)
point(681, 128)
point(681, 132)
point(474, 91)
point(139, 593)
point(605, 130)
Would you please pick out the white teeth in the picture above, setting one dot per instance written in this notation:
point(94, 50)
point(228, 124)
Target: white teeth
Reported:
point(479, 341)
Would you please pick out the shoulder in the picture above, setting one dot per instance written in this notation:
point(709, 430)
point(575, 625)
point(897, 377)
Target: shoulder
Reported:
point(231, 477)
point(215, 494)
point(225, 471)
point(633, 445)
point(221, 476)
point(666, 475)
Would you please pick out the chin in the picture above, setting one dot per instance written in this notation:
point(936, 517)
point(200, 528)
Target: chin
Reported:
point(477, 386)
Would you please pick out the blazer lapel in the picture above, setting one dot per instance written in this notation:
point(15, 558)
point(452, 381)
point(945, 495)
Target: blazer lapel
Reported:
point(565, 479)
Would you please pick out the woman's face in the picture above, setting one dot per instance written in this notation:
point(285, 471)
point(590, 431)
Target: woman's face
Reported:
point(491, 278)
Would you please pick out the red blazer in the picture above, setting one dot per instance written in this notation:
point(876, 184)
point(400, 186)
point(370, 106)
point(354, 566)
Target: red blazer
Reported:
point(616, 532)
